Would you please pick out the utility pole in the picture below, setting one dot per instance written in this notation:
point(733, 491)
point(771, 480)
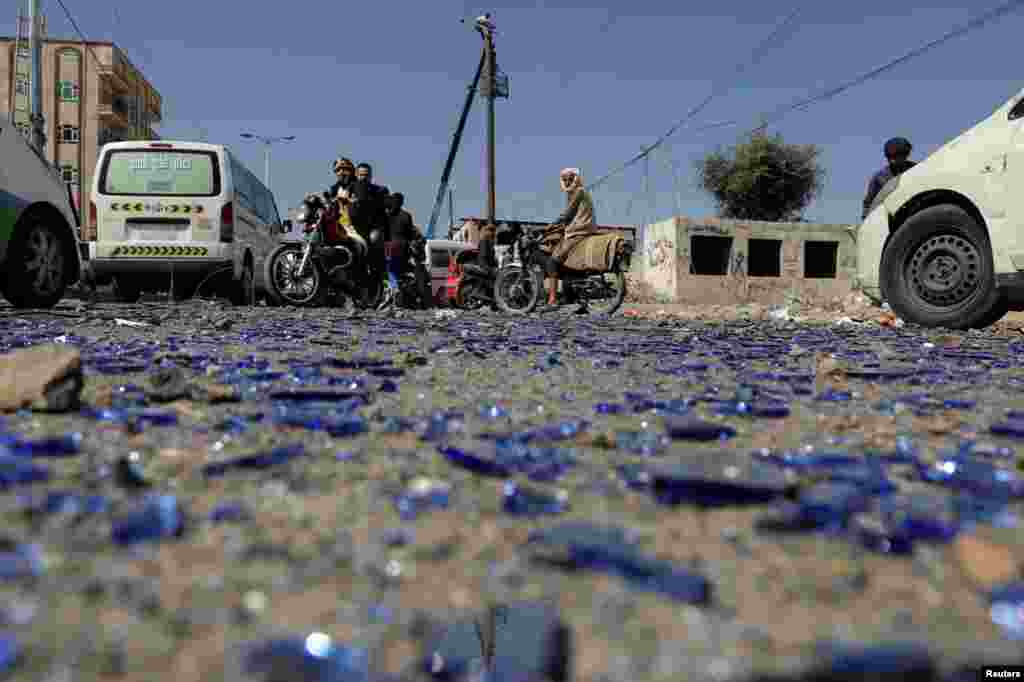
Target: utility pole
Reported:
point(486, 28)
point(36, 47)
point(267, 141)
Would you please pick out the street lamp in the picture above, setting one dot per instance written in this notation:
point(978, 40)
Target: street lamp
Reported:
point(267, 141)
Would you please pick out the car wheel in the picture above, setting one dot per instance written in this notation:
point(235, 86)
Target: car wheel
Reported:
point(38, 264)
point(937, 271)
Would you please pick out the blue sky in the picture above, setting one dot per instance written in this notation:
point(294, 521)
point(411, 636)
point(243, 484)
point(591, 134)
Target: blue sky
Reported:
point(590, 86)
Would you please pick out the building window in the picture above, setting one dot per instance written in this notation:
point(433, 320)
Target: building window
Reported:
point(820, 259)
point(21, 85)
point(23, 128)
point(69, 174)
point(67, 91)
point(710, 255)
point(24, 53)
point(69, 134)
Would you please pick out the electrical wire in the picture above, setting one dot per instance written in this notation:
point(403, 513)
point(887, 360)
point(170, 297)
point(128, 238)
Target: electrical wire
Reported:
point(716, 90)
point(74, 25)
point(833, 92)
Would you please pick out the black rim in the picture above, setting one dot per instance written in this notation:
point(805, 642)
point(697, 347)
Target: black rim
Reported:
point(944, 271)
point(517, 288)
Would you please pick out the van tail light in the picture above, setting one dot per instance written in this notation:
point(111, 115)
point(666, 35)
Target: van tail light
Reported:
point(454, 274)
point(227, 223)
point(89, 229)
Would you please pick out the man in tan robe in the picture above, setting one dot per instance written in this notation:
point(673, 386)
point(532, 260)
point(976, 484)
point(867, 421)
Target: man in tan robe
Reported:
point(575, 224)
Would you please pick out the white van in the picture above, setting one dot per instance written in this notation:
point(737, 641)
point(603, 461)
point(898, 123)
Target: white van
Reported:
point(39, 251)
point(176, 214)
point(943, 244)
point(441, 253)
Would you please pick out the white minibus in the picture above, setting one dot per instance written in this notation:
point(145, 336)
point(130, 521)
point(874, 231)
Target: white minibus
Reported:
point(177, 214)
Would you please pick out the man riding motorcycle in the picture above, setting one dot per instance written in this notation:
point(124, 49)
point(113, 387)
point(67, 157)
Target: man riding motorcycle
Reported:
point(402, 234)
point(574, 225)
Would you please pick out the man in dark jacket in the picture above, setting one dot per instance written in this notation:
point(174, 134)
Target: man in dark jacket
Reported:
point(345, 171)
point(402, 235)
point(897, 153)
point(369, 207)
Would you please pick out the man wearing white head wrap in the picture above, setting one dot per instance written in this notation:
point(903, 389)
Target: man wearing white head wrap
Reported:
point(577, 220)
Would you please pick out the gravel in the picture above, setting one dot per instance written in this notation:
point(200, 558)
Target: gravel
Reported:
point(339, 479)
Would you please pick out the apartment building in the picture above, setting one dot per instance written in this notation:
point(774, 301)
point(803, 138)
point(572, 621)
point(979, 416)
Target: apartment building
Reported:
point(92, 95)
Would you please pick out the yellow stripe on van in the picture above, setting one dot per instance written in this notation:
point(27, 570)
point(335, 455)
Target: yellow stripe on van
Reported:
point(128, 207)
point(157, 251)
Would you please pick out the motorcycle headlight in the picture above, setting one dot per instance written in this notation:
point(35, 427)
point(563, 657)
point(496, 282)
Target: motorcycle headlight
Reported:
point(301, 216)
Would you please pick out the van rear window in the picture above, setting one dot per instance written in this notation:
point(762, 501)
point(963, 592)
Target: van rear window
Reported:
point(156, 172)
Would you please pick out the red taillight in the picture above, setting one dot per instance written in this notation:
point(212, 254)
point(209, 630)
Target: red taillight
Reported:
point(161, 145)
point(89, 229)
point(227, 223)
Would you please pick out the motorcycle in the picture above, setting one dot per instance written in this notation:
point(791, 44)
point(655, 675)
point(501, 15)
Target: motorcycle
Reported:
point(328, 265)
point(519, 284)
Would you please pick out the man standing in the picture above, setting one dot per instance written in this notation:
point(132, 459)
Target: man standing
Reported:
point(402, 234)
point(897, 153)
point(369, 210)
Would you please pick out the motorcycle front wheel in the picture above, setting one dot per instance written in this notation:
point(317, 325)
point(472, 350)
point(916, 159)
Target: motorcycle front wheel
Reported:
point(517, 290)
point(284, 285)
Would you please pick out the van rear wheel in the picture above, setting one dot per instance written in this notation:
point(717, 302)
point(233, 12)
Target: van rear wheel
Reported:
point(938, 272)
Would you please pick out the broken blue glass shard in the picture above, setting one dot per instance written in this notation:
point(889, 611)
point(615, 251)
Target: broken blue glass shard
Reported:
point(314, 658)
point(635, 476)
point(641, 442)
point(609, 408)
point(692, 428)
point(763, 409)
point(421, 495)
point(10, 653)
point(151, 417)
point(876, 534)
point(68, 445)
point(20, 471)
point(789, 517)
point(265, 460)
point(979, 476)
point(833, 396)
point(440, 426)
point(921, 517)
point(314, 396)
point(908, 660)
point(539, 463)
point(21, 560)
point(128, 474)
point(519, 500)
point(229, 512)
point(494, 411)
point(530, 643)
point(1011, 428)
point(158, 517)
point(714, 479)
point(833, 503)
point(1007, 609)
point(583, 546)
point(346, 427)
point(387, 386)
point(560, 431)
point(68, 502)
point(475, 463)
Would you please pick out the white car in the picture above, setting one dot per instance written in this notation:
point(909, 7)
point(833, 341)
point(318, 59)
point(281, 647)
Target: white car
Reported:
point(40, 255)
point(943, 244)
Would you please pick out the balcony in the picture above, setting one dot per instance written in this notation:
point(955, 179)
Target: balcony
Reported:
point(113, 112)
point(115, 76)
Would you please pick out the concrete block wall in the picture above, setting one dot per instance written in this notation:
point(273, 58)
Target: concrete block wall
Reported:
point(718, 261)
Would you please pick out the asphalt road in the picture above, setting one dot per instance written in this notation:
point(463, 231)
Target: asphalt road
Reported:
point(365, 483)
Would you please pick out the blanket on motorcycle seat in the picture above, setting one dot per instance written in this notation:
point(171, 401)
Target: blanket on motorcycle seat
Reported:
point(593, 253)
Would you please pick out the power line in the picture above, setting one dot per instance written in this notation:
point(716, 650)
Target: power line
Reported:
point(830, 93)
point(74, 25)
point(755, 57)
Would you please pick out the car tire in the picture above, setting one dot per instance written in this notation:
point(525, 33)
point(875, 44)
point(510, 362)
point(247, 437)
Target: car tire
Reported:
point(127, 290)
point(937, 271)
point(38, 267)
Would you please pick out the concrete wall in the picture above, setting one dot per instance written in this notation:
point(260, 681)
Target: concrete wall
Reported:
point(717, 261)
